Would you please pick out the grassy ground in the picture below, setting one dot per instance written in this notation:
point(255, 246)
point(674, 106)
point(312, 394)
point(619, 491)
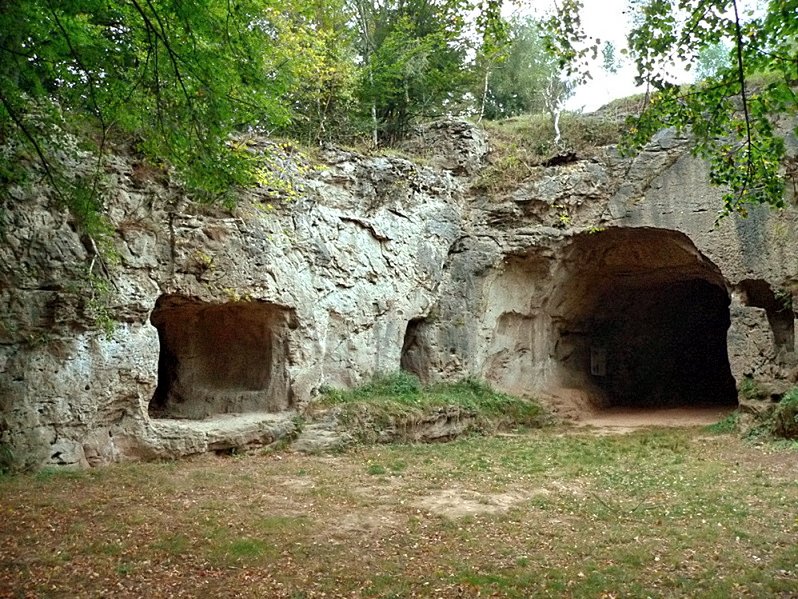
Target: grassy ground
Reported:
point(553, 512)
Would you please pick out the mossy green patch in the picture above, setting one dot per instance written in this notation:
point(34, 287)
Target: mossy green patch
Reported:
point(398, 400)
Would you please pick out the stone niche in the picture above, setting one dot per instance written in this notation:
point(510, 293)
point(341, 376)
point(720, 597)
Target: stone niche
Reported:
point(639, 319)
point(415, 356)
point(757, 293)
point(221, 358)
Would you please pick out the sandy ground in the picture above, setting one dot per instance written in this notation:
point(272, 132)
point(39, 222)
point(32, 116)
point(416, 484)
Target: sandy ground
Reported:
point(628, 419)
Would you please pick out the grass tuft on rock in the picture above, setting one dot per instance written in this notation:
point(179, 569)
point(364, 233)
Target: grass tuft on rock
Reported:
point(397, 406)
point(520, 145)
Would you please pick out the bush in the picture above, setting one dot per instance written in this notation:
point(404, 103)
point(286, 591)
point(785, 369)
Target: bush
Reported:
point(726, 426)
point(751, 390)
point(785, 417)
point(6, 459)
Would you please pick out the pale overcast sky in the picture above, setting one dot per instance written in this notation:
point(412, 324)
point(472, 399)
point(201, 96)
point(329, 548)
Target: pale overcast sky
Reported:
point(608, 20)
point(605, 20)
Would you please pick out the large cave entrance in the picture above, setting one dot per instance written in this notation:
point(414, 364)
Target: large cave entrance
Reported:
point(220, 358)
point(640, 321)
point(660, 344)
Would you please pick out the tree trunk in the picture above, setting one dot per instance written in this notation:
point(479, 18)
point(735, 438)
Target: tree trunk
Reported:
point(555, 117)
point(484, 95)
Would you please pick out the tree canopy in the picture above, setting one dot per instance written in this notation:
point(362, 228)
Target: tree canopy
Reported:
point(521, 80)
point(414, 57)
point(177, 76)
point(182, 81)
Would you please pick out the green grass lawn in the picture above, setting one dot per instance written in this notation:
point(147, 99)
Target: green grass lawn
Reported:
point(552, 512)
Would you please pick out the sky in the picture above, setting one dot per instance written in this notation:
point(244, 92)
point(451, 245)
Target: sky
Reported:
point(607, 21)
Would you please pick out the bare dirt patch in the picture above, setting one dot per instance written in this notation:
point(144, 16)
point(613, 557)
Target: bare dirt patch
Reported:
point(365, 522)
point(456, 503)
point(624, 420)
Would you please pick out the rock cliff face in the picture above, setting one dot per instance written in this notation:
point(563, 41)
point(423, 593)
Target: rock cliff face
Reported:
point(603, 282)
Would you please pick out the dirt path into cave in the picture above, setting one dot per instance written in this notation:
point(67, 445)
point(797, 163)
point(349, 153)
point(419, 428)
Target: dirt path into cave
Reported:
point(624, 420)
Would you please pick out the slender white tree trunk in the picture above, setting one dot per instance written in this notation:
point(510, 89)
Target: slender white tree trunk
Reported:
point(553, 100)
point(556, 121)
point(484, 96)
point(374, 139)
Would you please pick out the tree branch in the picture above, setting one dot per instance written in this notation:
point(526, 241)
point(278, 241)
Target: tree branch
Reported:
point(93, 96)
point(20, 123)
point(76, 57)
point(174, 58)
point(744, 96)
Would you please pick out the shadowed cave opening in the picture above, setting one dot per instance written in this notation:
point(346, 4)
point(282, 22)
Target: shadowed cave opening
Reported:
point(642, 322)
point(415, 354)
point(220, 358)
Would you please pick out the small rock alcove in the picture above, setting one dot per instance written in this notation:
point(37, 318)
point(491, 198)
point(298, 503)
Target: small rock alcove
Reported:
point(415, 353)
point(778, 309)
point(220, 358)
point(641, 319)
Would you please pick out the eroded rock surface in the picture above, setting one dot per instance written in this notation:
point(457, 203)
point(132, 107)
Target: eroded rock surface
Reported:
point(228, 323)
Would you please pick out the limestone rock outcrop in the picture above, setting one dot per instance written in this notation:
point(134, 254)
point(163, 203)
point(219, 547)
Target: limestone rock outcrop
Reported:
point(604, 281)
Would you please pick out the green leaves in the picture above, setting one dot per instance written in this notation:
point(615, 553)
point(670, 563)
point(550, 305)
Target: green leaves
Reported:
point(177, 77)
point(414, 55)
point(731, 113)
point(518, 83)
point(567, 41)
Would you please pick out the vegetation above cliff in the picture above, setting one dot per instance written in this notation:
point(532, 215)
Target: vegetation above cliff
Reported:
point(182, 80)
point(519, 144)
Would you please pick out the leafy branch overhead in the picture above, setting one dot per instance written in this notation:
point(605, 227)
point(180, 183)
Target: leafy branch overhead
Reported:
point(177, 77)
point(734, 112)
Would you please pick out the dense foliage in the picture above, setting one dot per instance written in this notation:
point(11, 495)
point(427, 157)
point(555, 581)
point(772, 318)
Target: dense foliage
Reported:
point(183, 82)
point(176, 76)
point(179, 79)
point(733, 112)
point(524, 79)
point(414, 53)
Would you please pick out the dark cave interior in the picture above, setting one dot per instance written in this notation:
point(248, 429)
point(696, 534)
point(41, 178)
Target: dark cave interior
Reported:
point(643, 320)
point(220, 358)
point(664, 345)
